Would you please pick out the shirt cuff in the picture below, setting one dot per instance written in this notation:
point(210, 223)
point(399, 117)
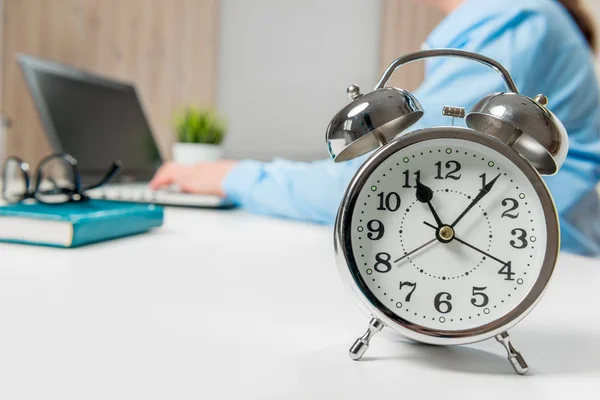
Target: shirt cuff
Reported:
point(241, 179)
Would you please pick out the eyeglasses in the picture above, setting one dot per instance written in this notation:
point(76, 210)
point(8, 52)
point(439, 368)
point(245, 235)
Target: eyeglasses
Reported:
point(57, 180)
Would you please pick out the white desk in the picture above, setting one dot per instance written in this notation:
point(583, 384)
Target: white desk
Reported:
point(228, 305)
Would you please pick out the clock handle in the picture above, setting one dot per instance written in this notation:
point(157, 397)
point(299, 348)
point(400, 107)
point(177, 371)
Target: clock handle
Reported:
point(514, 357)
point(423, 54)
point(361, 344)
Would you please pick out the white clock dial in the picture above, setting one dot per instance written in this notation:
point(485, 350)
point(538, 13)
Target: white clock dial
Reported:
point(478, 267)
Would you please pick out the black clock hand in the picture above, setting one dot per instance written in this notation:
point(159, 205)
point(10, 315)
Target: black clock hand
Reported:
point(424, 195)
point(485, 190)
point(479, 250)
point(470, 245)
point(415, 250)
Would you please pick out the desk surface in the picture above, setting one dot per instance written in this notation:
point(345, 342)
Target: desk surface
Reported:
point(229, 305)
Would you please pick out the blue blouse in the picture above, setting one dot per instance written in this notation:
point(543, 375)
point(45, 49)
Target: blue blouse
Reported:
point(542, 48)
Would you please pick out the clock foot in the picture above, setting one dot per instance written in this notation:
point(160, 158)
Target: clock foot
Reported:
point(514, 357)
point(361, 344)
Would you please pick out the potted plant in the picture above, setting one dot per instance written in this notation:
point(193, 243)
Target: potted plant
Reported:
point(199, 136)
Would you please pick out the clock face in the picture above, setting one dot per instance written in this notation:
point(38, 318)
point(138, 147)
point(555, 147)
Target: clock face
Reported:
point(448, 235)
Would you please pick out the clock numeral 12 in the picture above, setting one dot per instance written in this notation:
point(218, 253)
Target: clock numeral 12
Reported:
point(455, 165)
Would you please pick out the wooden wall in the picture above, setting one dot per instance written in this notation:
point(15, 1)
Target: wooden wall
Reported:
point(168, 48)
point(405, 26)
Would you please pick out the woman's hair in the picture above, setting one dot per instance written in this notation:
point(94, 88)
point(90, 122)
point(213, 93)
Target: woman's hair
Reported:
point(583, 18)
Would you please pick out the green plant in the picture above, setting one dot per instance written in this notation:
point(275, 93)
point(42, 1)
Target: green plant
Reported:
point(195, 125)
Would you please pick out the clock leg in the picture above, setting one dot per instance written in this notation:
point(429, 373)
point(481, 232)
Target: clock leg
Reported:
point(514, 357)
point(361, 344)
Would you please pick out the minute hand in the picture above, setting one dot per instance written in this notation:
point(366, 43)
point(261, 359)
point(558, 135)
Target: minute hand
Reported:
point(485, 190)
point(471, 246)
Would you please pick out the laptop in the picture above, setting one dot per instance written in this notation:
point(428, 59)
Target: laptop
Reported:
point(99, 120)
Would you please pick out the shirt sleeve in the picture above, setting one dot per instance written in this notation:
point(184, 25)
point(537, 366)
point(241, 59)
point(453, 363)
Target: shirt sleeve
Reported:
point(308, 191)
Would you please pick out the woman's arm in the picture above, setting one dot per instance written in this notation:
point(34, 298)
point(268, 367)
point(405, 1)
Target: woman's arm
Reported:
point(298, 190)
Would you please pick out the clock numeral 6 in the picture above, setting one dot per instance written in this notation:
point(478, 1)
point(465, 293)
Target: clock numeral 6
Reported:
point(382, 263)
point(478, 292)
point(391, 202)
point(522, 237)
point(411, 285)
point(376, 229)
point(439, 302)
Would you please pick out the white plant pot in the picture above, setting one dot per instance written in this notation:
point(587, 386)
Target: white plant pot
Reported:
point(192, 153)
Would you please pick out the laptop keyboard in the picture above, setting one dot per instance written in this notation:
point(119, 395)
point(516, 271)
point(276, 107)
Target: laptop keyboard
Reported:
point(141, 193)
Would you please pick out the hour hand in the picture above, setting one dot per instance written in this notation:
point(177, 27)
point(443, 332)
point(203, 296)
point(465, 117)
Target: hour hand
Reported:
point(425, 195)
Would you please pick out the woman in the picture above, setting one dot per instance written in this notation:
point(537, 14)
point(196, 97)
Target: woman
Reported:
point(547, 46)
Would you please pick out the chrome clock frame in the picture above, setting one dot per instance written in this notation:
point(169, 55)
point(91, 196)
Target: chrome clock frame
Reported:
point(381, 315)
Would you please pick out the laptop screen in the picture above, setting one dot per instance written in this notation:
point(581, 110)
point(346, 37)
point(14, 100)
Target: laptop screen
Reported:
point(94, 119)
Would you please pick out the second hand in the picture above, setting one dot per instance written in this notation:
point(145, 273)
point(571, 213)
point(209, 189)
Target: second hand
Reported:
point(415, 250)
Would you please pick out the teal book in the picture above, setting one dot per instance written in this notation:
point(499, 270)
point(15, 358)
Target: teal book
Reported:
point(75, 224)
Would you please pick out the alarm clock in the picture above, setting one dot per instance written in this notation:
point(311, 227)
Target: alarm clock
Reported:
point(447, 235)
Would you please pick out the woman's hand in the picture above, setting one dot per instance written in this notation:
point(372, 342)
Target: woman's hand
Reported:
point(201, 178)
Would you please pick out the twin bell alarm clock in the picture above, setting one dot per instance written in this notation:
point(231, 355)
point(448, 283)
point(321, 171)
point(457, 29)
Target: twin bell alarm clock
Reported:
point(447, 235)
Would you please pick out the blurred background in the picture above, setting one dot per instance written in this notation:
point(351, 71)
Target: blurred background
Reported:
point(276, 70)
